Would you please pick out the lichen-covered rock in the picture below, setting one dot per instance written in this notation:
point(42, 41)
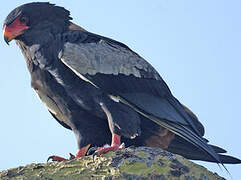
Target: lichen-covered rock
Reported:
point(142, 163)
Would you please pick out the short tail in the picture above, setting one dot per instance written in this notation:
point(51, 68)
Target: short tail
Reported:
point(189, 151)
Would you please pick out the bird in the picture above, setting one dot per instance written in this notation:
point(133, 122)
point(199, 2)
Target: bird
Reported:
point(101, 89)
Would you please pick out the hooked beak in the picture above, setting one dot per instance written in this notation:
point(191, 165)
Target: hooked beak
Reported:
point(13, 30)
point(6, 40)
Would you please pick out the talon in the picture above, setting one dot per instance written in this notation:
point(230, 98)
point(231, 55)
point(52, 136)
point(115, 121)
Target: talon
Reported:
point(71, 156)
point(50, 158)
point(93, 155)
point(115, 144)
point(80, 153)
point(56, 158)
point(91, 150)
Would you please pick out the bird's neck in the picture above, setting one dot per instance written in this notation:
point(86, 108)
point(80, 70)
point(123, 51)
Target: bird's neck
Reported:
point(25, 49)
point(38, 53)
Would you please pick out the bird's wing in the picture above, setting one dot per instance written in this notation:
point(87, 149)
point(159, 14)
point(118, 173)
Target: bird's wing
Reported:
point(195, 120)
point(126, 77)
point(59, 121)
point(113, 67)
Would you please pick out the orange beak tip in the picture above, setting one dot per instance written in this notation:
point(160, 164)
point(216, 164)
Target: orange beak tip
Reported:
point(6, 40)
point(13, 30)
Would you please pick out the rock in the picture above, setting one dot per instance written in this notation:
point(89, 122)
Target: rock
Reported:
point(142, 163)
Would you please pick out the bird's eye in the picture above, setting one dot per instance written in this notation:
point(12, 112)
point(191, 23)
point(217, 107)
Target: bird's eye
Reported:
point(24, 19)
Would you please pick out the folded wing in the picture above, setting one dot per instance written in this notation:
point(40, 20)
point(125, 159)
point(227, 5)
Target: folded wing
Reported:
point(128, 78)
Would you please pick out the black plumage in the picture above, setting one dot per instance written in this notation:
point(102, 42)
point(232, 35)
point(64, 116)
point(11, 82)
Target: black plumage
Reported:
point(98, 87)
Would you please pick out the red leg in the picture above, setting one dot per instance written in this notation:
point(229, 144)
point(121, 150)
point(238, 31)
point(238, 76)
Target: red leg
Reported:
point(115, 144)
point(80, 153)
point(56, 158)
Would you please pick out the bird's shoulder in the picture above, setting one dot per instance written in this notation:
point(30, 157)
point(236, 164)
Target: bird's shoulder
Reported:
point(89, 54)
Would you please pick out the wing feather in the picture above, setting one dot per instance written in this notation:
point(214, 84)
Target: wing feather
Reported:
point(120, 72)
point(101, 57)
point(103, 62)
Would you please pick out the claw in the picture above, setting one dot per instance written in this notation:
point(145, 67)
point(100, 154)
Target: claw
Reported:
point(91, 150)
point(93, 155)
point(115, 144)
point(50, 158)
point(56, 158)
point(71, 156)
point(80, 153)
point(101, 150)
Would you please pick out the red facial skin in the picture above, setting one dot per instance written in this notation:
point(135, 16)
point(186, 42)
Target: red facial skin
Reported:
point(17, 28)
point(14, 29)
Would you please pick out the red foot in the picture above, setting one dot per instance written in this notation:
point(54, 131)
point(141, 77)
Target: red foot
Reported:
point(115, 144)
point(56, 158)
point(80, 153)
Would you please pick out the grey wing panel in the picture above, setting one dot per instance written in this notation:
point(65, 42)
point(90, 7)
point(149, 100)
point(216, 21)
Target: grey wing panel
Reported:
point(104, 57)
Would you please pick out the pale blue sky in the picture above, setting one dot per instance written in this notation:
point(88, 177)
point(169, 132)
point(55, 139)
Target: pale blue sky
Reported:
point(194, 45)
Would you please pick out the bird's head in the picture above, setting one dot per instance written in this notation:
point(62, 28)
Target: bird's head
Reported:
point(29, 20)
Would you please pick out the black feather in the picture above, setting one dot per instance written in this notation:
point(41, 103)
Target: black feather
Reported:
point(100, 86)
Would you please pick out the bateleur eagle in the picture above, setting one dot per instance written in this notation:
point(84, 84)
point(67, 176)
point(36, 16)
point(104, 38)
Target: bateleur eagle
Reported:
point(102, 90)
